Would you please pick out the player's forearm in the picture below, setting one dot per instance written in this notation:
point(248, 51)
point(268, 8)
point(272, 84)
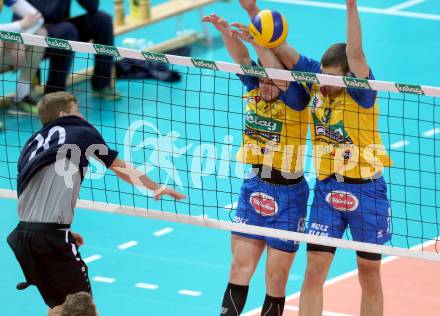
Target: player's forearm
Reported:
point(355, 53)
point(250, 6)
point(354, 33)
point(130, 174)
point(287, 55)
point(237, 50)
point(253, 11)
point(269, 60)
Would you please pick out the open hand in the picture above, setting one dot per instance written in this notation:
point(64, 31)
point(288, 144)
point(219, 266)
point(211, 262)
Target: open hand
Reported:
point(164, 190)
point(220, 24)
point(242, 32)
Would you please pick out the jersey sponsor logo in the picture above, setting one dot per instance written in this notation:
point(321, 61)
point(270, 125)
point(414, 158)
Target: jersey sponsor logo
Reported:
point(58, 43)
point(202, 63)
point(357, 83)
point(11, 37)
point(408, 88)
point(317, 102)
point(335, 133)
point(347, 154)
point(264, 204)
point(265, 150)
point(258, 135)
point(257, 122)
point(306, 77)
point(254, 71)
point(342, 201)
point(106, 50)
point(156, 57)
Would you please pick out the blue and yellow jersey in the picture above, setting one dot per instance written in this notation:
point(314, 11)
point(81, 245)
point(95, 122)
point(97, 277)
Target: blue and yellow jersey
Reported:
point(275, 132)
point(344, 131)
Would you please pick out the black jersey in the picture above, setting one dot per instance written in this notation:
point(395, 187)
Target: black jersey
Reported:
point(75, 138)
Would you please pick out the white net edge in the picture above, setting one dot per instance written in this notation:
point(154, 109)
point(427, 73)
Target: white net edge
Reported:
point(415, 252)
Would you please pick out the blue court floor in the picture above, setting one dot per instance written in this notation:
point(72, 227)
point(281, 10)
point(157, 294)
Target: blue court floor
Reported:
point(149, 267)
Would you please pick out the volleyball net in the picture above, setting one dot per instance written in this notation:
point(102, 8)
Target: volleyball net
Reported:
point(186, 134)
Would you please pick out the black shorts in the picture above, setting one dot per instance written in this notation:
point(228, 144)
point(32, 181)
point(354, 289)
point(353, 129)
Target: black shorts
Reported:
point(50, 260)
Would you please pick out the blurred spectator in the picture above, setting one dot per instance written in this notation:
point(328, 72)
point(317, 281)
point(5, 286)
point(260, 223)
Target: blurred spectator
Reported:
point(94, 25)
point(24, 58)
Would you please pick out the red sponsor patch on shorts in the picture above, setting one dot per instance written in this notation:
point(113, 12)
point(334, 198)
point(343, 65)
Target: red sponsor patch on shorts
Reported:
point(342, 201)
point(264, 204)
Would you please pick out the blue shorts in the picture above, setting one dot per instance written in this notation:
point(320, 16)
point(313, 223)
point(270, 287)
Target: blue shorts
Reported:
point(362, 207)
point(273, 206)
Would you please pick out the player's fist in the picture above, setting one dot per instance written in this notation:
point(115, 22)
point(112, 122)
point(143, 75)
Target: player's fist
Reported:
point(79, 240)
point(351, 3)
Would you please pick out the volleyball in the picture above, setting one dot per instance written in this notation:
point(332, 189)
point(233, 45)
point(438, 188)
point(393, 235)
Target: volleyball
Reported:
point(269, 28)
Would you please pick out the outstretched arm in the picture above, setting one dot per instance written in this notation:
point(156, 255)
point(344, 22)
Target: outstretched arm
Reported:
point(237, 50)
point(286, 54)
point(250, 6)
point(130, 174)
point(267, 57)
point(355, 53)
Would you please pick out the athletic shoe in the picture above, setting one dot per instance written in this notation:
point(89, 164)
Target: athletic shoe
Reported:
point(27, 106)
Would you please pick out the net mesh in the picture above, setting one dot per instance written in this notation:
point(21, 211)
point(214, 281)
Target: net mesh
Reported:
point(186, 134)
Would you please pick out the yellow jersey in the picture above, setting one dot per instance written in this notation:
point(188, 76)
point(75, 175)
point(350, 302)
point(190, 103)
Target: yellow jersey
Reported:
point(274, 134)
point(345, 136)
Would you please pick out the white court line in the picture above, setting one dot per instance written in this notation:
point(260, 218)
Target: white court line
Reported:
point(92, 258)
point(431, 132)
point(163, 232)
point(405, 5)
point(231, 206)
point(146, 286)
point(338, 6)
point(189, 292)
point(400, 144)
point(103, 279)
point(324, 313)
point(128, 244)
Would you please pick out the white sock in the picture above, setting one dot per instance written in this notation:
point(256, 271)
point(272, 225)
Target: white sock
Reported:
point(23, 89)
